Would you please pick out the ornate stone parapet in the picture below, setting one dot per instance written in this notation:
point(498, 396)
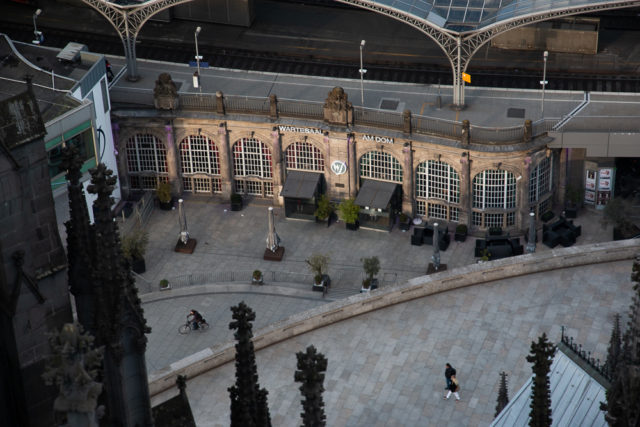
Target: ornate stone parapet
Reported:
point(165, 94)
point(337, 108)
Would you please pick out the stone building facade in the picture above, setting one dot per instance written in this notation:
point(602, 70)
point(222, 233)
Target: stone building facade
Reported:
point(456, 181)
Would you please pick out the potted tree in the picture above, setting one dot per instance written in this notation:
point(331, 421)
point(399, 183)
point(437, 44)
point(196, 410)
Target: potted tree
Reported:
point(163, 193)
point(318, 264)
point(134, 246)
point(617, 212)
point(461, 233)
point(164, 285)
point(256, 278)
point(371, 268)
point(324, 210)
point(349, 213)
point(573, 201)
point(403, 222)
point(236, 202)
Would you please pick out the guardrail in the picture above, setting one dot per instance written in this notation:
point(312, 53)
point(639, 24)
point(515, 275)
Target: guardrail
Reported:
point(273, 107)
point(139, 216)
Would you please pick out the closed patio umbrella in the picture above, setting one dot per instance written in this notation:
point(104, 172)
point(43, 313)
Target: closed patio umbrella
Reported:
point(182, 218)
point(273, 241)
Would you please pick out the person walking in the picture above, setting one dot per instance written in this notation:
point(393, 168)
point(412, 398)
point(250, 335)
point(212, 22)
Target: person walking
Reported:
point(453, 388)
point(448, 372)
point(109, 71)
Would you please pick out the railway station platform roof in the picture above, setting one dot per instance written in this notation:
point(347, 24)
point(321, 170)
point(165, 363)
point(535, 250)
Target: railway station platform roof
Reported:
point(462, 16)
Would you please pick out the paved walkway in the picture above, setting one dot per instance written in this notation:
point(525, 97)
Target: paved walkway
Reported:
point(474, 326)
point(386, 367)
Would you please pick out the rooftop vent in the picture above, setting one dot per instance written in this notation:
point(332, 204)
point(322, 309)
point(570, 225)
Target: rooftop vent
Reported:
point(71, 52)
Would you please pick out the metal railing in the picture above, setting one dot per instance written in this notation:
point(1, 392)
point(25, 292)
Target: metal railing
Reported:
point(141, 211)
point(435, 126)
point(245, 104)
point(488, 135)
point(305, 109)
point(377, 118)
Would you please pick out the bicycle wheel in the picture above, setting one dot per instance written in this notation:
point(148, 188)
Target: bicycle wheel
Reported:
point(204, 326)
point(184, 329)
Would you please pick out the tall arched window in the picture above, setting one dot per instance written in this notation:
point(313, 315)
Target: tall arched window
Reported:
point(380, 165)
point(304, 156)
point(146, 161)
point(437, 186)
point(252, 167)
point(494, 191)
point(540, 186)
point(200, 161)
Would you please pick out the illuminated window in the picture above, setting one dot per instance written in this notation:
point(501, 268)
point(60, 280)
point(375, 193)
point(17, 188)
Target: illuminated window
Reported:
point(304, 156)
point(199, 154)
point(251, 157)
point(382, 166)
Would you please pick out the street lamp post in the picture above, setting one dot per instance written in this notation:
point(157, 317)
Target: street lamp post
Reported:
point(544, 78)
point(38, 38)
point(362, 71)
point(196, 78)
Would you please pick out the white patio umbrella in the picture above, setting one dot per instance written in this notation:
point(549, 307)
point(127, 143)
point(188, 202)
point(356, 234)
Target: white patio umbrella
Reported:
point(182, 218)
point(273, 241)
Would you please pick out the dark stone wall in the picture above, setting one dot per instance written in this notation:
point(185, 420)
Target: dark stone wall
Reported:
point(28, 223)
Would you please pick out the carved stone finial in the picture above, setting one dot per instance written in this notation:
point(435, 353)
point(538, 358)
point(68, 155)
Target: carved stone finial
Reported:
point(165, 93)
point(73, 367)
point(528, 130)
point(337, 108)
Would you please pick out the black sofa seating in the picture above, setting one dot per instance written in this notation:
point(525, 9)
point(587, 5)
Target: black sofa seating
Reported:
point(498, 246)
point(443, 237)
point(417, 236)
point(560, 232)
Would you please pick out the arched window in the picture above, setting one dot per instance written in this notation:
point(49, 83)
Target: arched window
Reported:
point(304, 156)
point(252, 167)
point(437, 186)
point(200, 161)
point(146, 161)
point(540, 180)
point(380, 165)
point(494, 190)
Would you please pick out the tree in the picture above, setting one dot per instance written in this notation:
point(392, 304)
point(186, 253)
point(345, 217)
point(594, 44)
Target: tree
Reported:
point(541, 356)
point(318, 264)
point(623, 396)
point(503, 394)
point(311, 368)
point(249, 406)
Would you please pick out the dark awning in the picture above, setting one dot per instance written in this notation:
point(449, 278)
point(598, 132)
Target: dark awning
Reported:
point(375, 194)
point(300, 185)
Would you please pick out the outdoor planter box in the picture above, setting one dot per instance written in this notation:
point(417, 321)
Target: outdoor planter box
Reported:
point(352, 226)
point(319, 287)
point(373, 285)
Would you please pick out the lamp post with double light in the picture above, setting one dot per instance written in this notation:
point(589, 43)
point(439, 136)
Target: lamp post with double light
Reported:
point(38, 37)
point(196, 77)
point(544, 78)
point(362, 71)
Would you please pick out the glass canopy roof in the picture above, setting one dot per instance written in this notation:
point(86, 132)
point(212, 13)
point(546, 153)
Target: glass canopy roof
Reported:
point(470, 15)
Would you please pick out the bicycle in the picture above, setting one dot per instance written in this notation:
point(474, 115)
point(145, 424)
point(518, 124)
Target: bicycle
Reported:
point(188, 326)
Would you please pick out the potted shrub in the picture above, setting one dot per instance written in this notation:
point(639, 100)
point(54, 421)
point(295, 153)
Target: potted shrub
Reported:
point(318, 264)
point(573, 200)
point(163, 193)
point(461, 233)
point(486, 256)
point(371, 268)
point(164, 285)
point(617, 213)
point(236, 202)
point(134, 246)
point(349, 213)
point(324, 209)
point(403, 222)
point(256, 278)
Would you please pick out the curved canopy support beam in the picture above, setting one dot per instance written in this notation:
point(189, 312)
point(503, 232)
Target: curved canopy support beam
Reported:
point(459, 47)
point(128, 21)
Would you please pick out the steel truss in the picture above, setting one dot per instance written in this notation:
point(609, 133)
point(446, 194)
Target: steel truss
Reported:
point(459, 47)
point(128, 21)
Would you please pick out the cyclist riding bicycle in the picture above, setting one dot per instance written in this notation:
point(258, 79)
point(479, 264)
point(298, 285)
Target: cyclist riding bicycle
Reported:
point(195, 318)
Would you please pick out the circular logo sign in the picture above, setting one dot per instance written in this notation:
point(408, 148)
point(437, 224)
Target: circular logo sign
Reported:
point(339, 167)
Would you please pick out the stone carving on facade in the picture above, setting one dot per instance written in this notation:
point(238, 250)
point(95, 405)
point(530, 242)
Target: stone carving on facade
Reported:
point(165, 93)
point(337, 108)
point(73, 367)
